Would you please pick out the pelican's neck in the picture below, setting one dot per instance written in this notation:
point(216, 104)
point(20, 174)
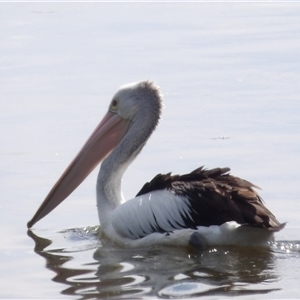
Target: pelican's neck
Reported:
point(109, 181)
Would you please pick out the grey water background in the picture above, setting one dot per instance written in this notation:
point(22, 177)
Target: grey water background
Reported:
point(230, 76)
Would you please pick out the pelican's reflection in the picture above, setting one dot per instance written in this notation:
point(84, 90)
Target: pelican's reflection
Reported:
point(110, 272)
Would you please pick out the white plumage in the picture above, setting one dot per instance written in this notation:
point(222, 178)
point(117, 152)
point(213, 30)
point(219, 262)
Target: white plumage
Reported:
point(158, 211)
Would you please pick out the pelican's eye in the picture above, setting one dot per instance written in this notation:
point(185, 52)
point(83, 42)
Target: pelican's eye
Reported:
point(114, 105)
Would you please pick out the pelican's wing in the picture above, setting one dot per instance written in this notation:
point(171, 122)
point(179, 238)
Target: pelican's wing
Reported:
point(200, 198)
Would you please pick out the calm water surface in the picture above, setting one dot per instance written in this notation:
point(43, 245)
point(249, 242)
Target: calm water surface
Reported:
point(230, 76)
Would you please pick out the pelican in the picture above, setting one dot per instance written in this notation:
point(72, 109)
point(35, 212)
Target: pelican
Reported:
point(200, 209)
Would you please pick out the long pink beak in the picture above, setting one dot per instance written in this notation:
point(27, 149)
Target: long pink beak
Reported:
point(103, 140)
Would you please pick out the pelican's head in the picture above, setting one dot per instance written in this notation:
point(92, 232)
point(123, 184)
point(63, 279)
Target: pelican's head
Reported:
point(137, 100)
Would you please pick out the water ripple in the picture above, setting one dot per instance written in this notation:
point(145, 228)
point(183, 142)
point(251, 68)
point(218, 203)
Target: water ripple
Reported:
point(90, 268)
point(287, 247)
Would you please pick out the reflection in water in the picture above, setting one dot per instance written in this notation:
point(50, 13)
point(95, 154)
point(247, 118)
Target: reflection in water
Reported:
point(89, 268)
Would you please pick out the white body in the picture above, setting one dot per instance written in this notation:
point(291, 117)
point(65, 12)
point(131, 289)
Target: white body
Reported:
point(137, 216)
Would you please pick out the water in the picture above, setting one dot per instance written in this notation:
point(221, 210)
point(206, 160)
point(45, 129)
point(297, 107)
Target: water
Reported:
point(88, 268)
point(230, 77)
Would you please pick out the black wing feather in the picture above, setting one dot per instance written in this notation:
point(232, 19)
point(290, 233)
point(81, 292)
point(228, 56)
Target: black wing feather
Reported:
point(216, 197)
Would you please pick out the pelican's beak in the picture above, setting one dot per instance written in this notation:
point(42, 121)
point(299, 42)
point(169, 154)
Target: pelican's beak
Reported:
point(103, 140)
